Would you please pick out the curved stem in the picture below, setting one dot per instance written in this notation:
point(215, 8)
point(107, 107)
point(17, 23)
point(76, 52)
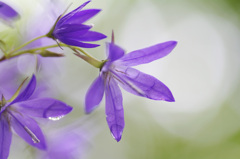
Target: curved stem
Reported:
point(94, 62)
point(25, 44)
point(31, 51)
point(86, 57)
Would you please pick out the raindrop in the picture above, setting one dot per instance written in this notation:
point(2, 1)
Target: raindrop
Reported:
point(56, 118)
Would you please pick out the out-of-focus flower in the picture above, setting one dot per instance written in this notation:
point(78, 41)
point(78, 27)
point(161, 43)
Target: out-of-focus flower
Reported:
point(7, 13)
point(64, 145)
point(9, 76)
point(117, 70)
point(43, 64)
point(70, 30)
point(72, 141)
point(16, 111)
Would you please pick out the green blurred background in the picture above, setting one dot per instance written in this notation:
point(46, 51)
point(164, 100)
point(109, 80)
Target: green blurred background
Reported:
point(203, 73)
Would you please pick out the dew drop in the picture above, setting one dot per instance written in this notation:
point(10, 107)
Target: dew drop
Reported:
point(56, 118)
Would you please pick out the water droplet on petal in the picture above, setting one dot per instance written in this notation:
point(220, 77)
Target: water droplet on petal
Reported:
point(56, 118)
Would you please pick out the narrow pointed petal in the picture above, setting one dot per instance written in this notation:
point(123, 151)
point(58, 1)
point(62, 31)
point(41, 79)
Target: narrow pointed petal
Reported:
point(72, 13)
point(148, 54)
point(82, 16)
point(5, 138)
point(144, 85)
point(94, 95)
point(28, 129)
point(27, 92)
point(74, 42)
point(69, 30)
point(44, 108)
point(114, 109)
point(91, 36)
point(114, 52)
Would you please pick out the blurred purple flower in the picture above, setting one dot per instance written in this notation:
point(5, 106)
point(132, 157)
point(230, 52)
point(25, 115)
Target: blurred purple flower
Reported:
point(117, 70)
point(15, 113)
point(48, 68)
point(64, 145)
point(70, 30)
point(9, 77)
point(7, 13)
point(75, 140)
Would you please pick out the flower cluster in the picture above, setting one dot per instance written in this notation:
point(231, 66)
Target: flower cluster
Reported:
point(18, 112)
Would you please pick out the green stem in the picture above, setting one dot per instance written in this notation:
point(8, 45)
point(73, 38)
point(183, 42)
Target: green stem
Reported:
point(31, 51)
point(25, 44)
point(85, 53)
point(89, 59)
point(86, 57)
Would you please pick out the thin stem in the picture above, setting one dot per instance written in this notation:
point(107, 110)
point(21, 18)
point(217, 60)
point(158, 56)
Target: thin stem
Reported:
point(82, 51)
point(32, 50)
point(25, 44)
point(86, 57)
point(94, 62)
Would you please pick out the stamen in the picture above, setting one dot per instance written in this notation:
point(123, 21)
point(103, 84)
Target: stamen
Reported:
point(33, 136)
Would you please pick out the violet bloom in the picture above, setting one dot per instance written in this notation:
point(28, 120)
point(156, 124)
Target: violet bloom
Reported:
point(15, 113)
point(7, 13)
point(117, 70)
point(64, 145)
point(70, 30)
point(72, 141)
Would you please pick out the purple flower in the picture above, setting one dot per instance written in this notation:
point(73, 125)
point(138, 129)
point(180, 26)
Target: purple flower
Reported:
point(7, 13)
point(117, 70)
point(16, 111)
point(64, 145)
point(75, 140)
point(70, 30)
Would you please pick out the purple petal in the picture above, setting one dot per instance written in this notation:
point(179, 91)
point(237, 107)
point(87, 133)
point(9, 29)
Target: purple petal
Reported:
point(144, 85)
point(74, 42)
point(7, 12)
point(82, 16)
point(94, 95)
point(114, 109)
point(80, 35)
point(28, 129)
point(71, 30)
point(91, 36)
point(44, 108)
point(114, 52)
point(27, 92)
point(149, 54)
point(72, 13)
point(5, 138)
